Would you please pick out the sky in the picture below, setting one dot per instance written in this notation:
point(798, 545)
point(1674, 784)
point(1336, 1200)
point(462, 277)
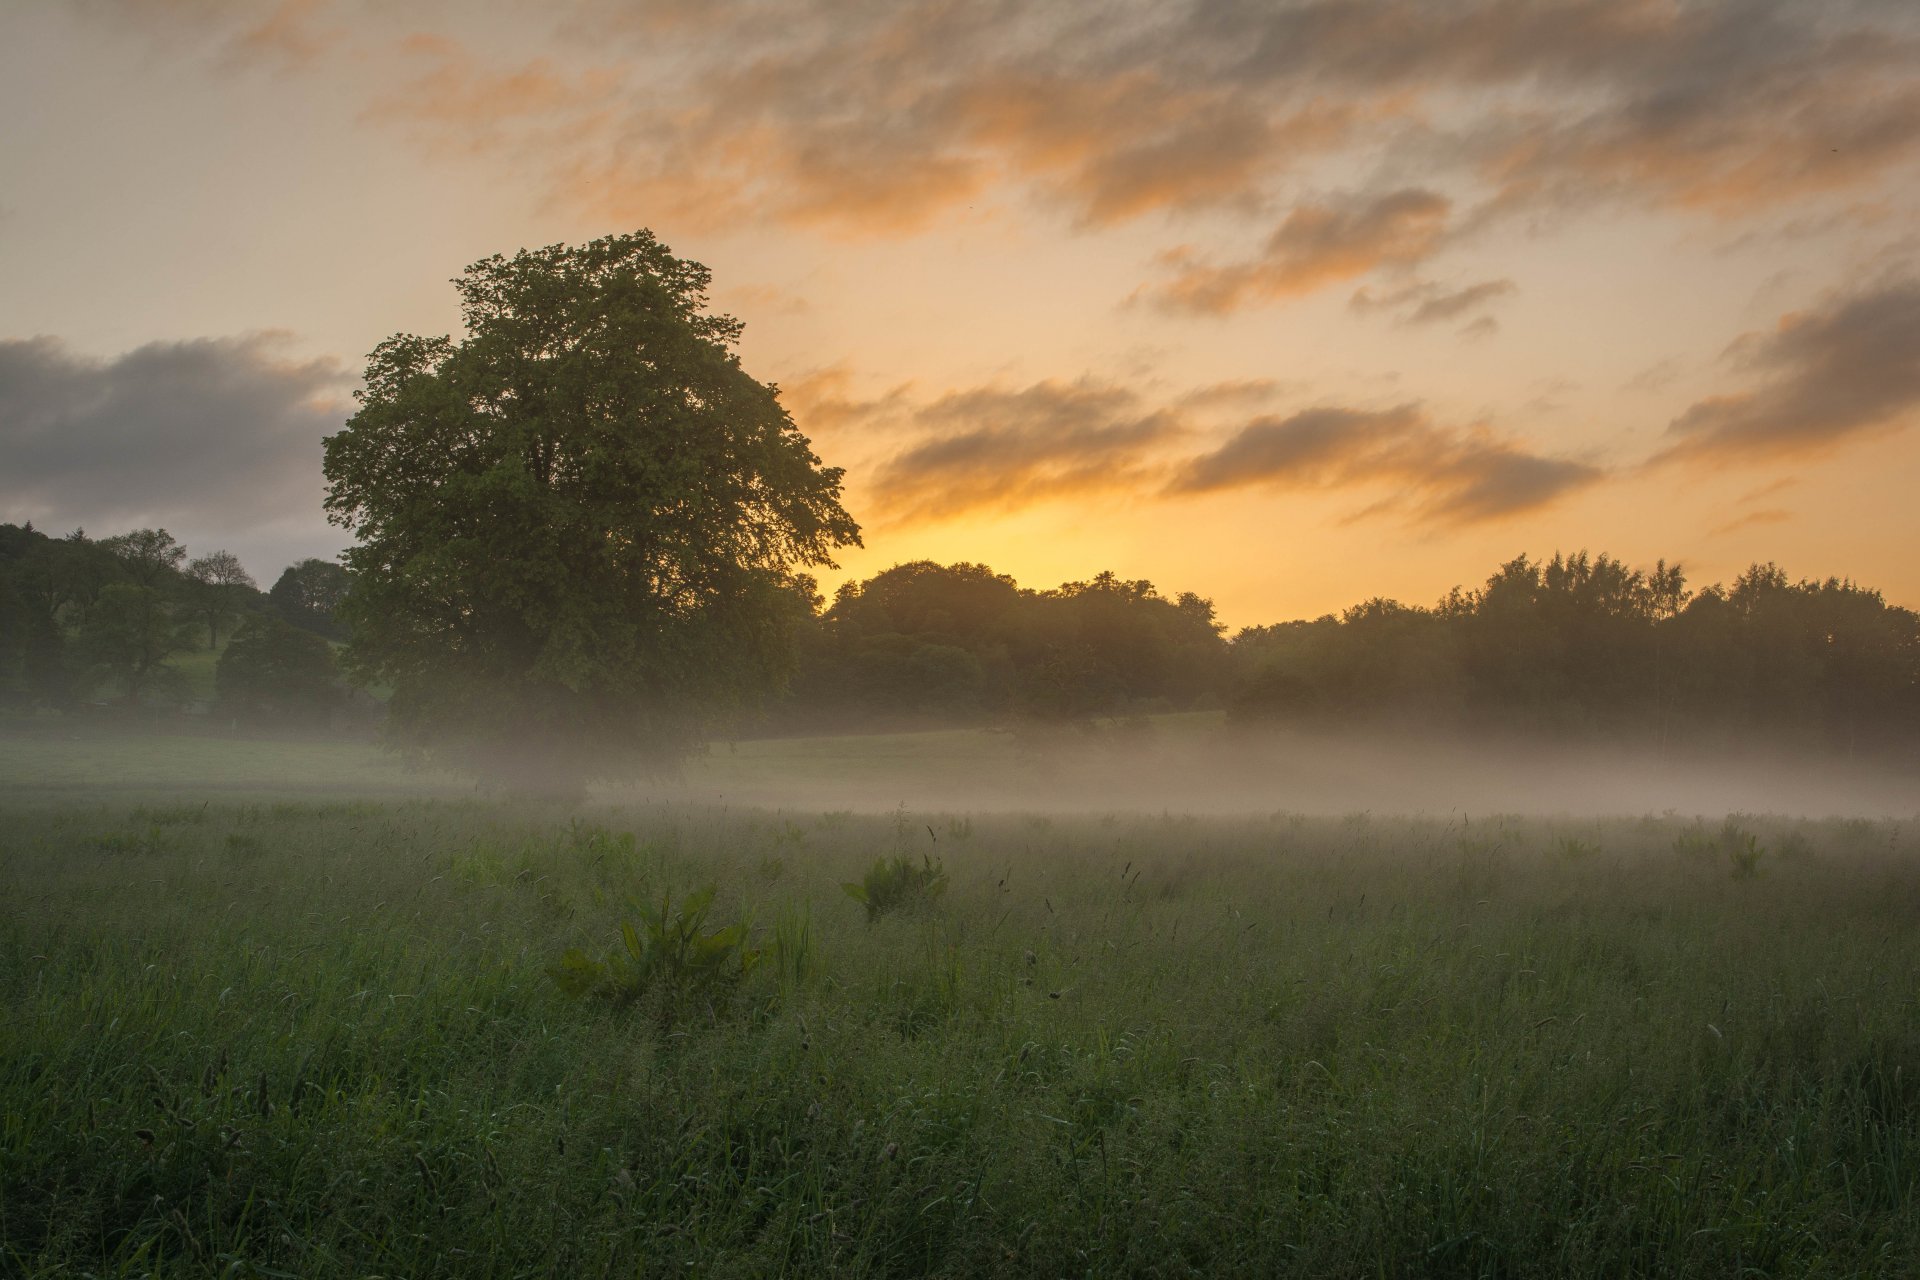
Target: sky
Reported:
point(1289, 304)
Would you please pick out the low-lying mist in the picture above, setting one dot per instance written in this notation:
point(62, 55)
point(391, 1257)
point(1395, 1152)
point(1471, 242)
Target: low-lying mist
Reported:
point(1183, 764)
point(1230, 770)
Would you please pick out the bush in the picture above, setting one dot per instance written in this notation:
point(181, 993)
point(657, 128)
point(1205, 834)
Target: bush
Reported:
point(671, 955)
point(896, 883)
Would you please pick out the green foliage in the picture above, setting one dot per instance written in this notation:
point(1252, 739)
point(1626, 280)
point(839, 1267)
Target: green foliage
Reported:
point(669, 955)
point(1574, 849)
point(1581, 644)
point(580, 528)
point(129, 634)
point(1734, 846)
point(218, 587)
point(312, 1051)
point(1743, 850)
point(923, 641)
point(309, 594)
point(151, 557)
point(273, 671)
point(898, 884)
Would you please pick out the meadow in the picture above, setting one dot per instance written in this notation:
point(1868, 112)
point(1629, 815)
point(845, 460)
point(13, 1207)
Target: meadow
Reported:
point(264, 1033)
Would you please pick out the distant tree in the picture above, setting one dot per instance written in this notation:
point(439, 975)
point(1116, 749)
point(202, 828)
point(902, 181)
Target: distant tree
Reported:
point(308, 595)
point(579, 527)
point(273, 670)
point(151, 556)
point(52, 582)
point(128, 636)
point(220, 584)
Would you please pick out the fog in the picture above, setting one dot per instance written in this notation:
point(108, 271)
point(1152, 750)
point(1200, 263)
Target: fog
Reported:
point(1228, 771)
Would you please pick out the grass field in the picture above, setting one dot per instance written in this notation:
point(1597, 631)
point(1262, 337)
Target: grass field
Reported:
point(317, 1037)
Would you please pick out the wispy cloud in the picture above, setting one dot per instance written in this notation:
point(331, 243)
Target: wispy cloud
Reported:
point(870, 119)
point(1317, 245)
point(991, 448)
point(1423, 302)
point(1444, 476)
point(1001, 449)
point(1753, 520)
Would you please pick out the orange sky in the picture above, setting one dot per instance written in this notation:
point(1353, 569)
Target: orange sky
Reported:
point(1287, 304)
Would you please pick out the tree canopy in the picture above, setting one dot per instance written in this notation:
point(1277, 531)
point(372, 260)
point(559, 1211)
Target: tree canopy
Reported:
point(273, 670)
point(581, 529)
point(308, 594)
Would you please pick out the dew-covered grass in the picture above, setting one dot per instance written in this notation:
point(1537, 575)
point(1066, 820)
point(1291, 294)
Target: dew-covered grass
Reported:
point(321, 1038)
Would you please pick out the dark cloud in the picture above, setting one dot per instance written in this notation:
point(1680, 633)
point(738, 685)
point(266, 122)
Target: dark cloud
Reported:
point(218, 436)
point(1826, 377)
point(1723, 104)
point(1318, 244)
point(1444, 476)
point(992, 448)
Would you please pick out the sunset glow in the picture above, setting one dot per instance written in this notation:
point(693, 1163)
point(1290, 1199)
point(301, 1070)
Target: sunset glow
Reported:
point(1284, 304)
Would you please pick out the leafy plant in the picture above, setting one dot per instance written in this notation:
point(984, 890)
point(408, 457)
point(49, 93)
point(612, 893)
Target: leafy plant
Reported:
point(897, 883)
point(1740, 848)
point(1574, 849)
point(670, 952)
point(1695, 843)
point(793, 950)
point(1743, 850)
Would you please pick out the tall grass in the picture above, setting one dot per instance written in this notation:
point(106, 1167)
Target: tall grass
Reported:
point(322, 1039)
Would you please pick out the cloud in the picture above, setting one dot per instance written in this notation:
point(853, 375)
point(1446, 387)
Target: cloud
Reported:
point(995, 448)
point(1724, 105)
point(1242, 394)
point(290, 37)
point(861, 118)
point(1826, 377)
point(1753, 519)
point(217, 435)
point(1423, 302)
point(1448, 477)
point(1318, 244)
point(1004, 449)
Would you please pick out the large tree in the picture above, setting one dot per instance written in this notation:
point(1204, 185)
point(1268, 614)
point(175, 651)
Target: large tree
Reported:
point(129, 635)
point(273, 670)
point(308, 593)
point(579, 529)
point(151, 556)
point(220, 583)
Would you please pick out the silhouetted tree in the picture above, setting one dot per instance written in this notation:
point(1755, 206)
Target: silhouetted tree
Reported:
point(1583, 643)
point(151, 556)
point(219, 585)
point(579, 527)
point(52, 581)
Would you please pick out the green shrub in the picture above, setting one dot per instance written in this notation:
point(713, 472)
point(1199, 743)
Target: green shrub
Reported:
point(670, 954)
point(1743, 850)
point(1574, 849)
point(896, 883)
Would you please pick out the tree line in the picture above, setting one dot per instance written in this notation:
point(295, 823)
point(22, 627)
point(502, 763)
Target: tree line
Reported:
point(1577, 645)
point(582, 543)
point(106, 622)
